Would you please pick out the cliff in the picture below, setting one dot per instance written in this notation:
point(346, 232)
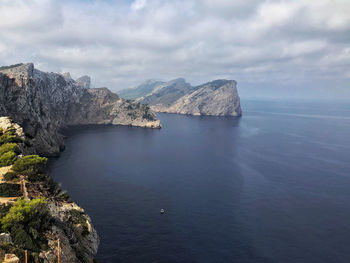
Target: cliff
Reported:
point(34, 212)
point(216, 98)
point(44, 103)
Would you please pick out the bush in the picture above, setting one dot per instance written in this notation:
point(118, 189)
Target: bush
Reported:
point(37, 178)
point(10, 190)
point(9, 176)
point(9, 137)
point(7, 159)
point(64, 196)
point(30, 165)
point(26, 221)
point(79, 218)
point(9, 147)
point(4, 209)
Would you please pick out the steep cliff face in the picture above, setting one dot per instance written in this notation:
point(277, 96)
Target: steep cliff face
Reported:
point(65, 220)
point(216, 98)
point(43, 103)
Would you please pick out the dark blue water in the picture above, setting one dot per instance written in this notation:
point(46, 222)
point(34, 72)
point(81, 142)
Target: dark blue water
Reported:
point(273, 186)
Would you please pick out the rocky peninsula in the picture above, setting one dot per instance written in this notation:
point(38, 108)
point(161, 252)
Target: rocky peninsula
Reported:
point(215, 98)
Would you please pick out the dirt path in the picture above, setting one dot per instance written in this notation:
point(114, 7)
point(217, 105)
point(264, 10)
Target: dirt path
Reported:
point(5, 200)
point(4, 170)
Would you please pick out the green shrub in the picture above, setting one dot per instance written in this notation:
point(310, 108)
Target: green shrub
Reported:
point(4, 209)
point(21, 238)
point(36, 177)
point(30, 165)
point(79, 218)
point(54, 188)
point(9, 147)
point(10, 190)
point(11, 130)
point(1, 131)
point(7, 159)
point(64, 196)
point(9, 176)
point(9, 137)
point(26, 222)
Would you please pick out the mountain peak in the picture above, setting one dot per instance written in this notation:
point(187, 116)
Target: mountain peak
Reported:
point(84, 81)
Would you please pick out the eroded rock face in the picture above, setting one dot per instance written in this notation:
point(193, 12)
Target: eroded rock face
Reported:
point(216, 98)
point(76, 246)
point(43, 103)
point(67, 222)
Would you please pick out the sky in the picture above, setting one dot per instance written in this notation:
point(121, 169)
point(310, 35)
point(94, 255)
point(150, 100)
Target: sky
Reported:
point(273, 48)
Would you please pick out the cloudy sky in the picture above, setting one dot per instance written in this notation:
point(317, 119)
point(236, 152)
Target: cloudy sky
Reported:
point(275, 48)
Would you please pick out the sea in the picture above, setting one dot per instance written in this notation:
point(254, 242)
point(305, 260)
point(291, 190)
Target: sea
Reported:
point(271, 186)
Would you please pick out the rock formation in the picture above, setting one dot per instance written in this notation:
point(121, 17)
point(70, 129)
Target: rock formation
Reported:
point(66, 221)
point(216, 98)
point(44, 103)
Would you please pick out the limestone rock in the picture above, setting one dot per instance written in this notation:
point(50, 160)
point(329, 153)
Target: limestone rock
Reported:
point(11, 258)
point(84, 81)
point(5, 238)
point(6, 123)
point(76, 246)
point(216, 98)
point(44, 103)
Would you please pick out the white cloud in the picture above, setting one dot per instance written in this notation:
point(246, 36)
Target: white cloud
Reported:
point(120, 43)
point(138, 4)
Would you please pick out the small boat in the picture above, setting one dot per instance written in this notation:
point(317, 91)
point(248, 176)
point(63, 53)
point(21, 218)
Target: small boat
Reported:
point(162, 211)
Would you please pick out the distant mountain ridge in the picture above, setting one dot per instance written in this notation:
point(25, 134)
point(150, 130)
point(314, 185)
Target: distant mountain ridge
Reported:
point(216, 98)
point(141, 90)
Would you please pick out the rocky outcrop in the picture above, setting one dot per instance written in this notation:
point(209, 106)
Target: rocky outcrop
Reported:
point(84, 81)
point(44, 103)
point(216, 98)
point(67, 222)
point(11, 258)
point(76, 244)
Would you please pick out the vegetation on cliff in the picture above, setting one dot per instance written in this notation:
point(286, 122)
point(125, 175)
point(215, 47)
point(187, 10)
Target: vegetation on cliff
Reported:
point(25, 221)
point(34, 211)
point(30, 165)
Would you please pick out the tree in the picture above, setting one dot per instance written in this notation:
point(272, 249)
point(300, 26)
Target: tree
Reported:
point(9, 147)
point(7, 158)
point(30, 165)
point(26, 221)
